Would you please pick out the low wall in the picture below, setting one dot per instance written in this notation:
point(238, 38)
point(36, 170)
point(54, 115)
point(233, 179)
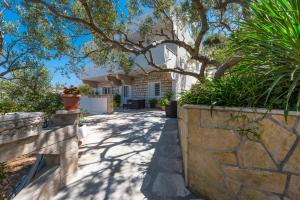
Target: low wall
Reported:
point(233, 153)
point(22, 133)
point(97, 105)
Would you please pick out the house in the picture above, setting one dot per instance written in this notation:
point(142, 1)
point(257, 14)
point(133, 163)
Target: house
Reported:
point(138, 85)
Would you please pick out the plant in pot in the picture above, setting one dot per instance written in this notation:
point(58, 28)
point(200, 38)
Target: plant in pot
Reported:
point(71, 98)
point(163, 103)
point(152, 103)
point(170, 106)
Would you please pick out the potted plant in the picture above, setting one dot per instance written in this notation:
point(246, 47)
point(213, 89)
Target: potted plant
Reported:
point(71, 98)
point(152, 103)
point(170, 106)
point(163, 103)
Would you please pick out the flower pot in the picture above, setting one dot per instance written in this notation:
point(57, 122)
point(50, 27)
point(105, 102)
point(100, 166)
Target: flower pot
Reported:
point(71, 101)
point(171, 109)
point(163, 108)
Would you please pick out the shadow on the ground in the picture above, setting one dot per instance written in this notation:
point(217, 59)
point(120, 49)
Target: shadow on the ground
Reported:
point(123, 153)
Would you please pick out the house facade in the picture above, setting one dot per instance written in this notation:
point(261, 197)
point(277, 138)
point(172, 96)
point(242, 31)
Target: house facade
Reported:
point(138, 85)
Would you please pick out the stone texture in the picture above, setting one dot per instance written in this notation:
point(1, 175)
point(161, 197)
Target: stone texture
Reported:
point(277, 140)
point(291, 120)
point(294, 187)
point(232, 185)
point(293, 163)
point(246, 156)
point(262, 180)
point(205, 175)
point(212, 138)
point(249, 194)
point(193, 117)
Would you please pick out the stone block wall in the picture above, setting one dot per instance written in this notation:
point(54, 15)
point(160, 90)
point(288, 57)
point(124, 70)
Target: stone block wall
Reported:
point(140, 84)
point(224, 159)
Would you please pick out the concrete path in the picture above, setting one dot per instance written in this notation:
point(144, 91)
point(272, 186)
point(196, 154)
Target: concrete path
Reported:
point(127, 156)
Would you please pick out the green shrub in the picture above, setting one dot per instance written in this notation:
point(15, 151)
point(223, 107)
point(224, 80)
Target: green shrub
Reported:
point(153, 103)
point(269, 42)
point(117, 100)
point(164, 102)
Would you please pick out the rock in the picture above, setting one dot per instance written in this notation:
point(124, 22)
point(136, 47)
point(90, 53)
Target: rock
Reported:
point(261, 160)
point(277, 140)
point(262, 180)
point(249, 194)
point(294, 187)
point(214, 139)
point(293, 163)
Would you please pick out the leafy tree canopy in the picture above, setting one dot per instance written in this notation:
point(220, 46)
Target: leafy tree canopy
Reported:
point(102, 30)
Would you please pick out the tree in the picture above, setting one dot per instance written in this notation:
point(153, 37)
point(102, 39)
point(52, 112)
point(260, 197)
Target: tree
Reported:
point(19, 46)
point(29, 90)
point(108, 27)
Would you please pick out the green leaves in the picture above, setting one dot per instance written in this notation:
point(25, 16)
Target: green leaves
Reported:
point(270, 42)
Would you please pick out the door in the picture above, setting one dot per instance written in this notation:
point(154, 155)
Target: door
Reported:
point(126, 93)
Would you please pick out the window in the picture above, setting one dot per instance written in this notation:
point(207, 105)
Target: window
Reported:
point(125, 91)
point(154, 89)
point(106, 90)
point(157, 89)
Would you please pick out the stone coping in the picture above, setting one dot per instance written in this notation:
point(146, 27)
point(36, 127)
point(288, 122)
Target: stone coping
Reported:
point(241, 109)
point(66, 112)
point(20, 115)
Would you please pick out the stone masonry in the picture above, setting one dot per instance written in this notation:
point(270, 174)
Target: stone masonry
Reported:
point(140, 84)
point(224, 160)
point(22, 133)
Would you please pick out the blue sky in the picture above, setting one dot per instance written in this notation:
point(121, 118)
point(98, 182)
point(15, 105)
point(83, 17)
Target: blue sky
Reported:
point(53, 65)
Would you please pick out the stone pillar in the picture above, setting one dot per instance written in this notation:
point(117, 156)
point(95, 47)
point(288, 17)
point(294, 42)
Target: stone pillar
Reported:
point(110, 104)
point(65, 118)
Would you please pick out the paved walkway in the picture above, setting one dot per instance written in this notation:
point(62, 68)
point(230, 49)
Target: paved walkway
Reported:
point(128, 156)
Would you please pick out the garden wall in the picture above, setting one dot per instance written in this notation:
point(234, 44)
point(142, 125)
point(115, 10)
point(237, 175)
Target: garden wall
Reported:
point(233, 153)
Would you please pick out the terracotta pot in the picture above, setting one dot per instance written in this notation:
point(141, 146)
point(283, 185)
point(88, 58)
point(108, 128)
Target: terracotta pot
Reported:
point(71, 101)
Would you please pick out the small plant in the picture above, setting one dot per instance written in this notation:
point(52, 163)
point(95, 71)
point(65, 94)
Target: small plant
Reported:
point(71, 90)
point(164, 102)
point(168, 95)
point(117, 100)
point(153, 103)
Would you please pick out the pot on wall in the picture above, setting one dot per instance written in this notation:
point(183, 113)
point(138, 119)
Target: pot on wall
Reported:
point(71, 101)
point(171, 109)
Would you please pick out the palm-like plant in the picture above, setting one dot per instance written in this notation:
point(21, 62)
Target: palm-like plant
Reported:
point(270, 43)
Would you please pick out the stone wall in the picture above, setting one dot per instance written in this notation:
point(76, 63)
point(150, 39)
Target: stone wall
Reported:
point(22, 133)
point(225, 159)
point(140, 84)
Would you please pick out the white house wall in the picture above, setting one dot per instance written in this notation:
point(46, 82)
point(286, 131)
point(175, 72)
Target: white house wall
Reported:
point(94, 105)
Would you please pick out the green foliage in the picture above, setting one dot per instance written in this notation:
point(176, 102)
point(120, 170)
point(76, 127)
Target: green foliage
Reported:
point(117, 100)
point(167, 98)
point(153, 103)
point(85, 89)
point(3, 182)
point(29, 91)
point(235, 90)
point(164, 102)
point(270, 43)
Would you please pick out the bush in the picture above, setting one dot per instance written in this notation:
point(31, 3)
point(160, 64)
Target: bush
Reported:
point(268, 75)
point(117, 100)
point(153, 103)
point(164, 102)
point(270, 43)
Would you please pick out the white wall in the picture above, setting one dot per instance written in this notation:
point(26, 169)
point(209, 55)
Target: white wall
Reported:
point(94, 105)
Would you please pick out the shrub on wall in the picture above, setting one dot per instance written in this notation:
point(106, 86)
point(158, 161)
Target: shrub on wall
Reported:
point(269, 73)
